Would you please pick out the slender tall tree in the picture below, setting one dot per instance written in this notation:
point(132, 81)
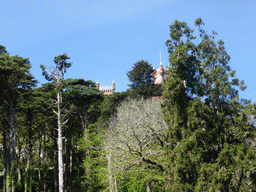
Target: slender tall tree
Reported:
point(57, 76)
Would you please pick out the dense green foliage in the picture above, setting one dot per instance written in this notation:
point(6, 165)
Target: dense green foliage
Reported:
point(209, 140)
point(16, 80)
point(199, 136)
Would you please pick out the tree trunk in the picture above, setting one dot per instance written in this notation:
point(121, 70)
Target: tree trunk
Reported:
point(110, 169)
point(67, 168)
point(8, 178)
point(44, 160)
point(56, 186)
point(6, 152)
point(28, 179)
point(86, 152)
point(13, 145)
point(64, 166)
point(19, 166)
point(71, 165)
point(60, 147)
point(148, 186)
point(39, 165)
point(116, 186)
point(20, 148)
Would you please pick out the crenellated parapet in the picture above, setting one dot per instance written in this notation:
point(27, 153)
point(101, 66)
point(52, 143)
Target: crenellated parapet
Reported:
point(106, 89)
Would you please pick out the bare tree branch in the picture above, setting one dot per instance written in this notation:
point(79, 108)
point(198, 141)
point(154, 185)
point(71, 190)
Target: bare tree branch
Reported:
point(54, 111)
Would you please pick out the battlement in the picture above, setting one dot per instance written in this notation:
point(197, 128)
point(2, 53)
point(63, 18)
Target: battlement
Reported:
point(106, 89)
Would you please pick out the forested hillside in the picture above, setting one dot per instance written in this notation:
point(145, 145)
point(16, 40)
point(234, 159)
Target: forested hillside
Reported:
point(193, 133)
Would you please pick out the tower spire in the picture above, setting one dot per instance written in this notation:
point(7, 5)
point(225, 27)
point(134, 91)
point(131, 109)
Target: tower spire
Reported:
point(160, 57)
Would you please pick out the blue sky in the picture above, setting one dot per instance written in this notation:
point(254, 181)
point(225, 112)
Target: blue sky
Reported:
point(105, 38)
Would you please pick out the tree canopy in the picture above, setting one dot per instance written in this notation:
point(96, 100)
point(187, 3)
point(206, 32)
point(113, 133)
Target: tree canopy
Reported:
point(142, 80)
point(210, 132)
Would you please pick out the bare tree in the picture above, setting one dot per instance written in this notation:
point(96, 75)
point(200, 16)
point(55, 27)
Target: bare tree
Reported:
point(135, 139)
point(57, 75)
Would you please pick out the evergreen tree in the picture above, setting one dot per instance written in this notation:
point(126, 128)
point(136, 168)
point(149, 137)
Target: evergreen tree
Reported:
point(210, 132)
point(32, 115)
point(84, 100)
point(142, 80)
point(2, 49)
point(15, 79)
point(47, 120)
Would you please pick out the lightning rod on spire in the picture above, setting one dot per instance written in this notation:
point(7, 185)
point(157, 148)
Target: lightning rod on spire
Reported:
point(160, 55)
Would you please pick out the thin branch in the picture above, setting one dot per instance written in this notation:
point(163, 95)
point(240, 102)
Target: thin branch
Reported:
point(65, 122)
point(54, 111)
point(63, 108)
point(147, 144)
